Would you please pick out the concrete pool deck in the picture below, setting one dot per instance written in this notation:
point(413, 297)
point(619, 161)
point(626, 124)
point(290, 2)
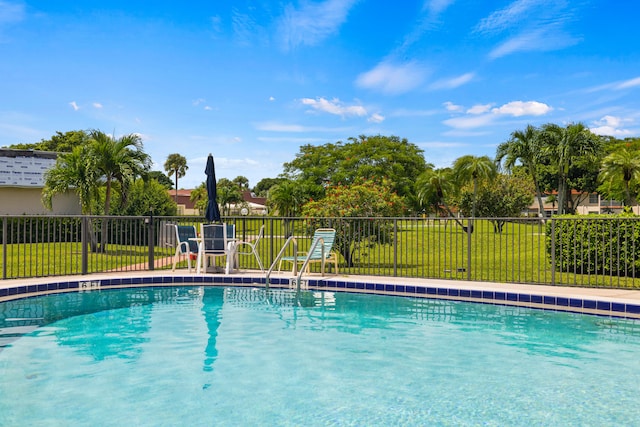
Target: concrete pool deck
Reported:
point(600, 301)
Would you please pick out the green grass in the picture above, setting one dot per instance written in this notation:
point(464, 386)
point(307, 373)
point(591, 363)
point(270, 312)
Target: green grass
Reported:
point(426, 249)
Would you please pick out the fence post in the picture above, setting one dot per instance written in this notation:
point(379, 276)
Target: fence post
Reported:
point(469, 231)
point(395, 247)
point(152, 239)
point(553, 251)
point(84, 233)
point(4, 247)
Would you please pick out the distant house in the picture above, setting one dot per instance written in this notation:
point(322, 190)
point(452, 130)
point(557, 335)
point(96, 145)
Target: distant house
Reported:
point(22, 180)
point(185, 205)
point(591, 203)
point(256, 205)
point(253, 204)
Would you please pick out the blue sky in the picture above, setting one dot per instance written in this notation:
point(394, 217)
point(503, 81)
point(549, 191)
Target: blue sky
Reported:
point(251, 81)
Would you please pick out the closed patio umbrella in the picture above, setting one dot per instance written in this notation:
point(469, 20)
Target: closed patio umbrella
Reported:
point(212, 214)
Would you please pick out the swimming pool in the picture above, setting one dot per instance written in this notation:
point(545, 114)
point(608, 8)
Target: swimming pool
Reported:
point(202, 355)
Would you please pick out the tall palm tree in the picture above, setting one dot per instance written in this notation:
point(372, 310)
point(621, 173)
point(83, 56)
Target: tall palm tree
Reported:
point(473, 169)
point(287, 198)
point(432, 188)
point(120, 160)
point(525, 147)
point(564, 145)
point(622, 164)
point(73, 170)
point(176, 164)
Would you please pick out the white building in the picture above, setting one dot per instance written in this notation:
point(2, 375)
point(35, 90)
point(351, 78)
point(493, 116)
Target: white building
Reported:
point(21, 183)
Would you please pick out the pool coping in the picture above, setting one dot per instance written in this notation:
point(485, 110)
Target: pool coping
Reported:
point(597, 301)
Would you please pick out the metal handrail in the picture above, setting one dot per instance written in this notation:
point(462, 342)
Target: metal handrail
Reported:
point(306, 261)
point(277, 258)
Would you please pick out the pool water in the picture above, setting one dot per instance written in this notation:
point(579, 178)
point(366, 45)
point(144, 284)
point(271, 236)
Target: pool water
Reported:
point(205, 356)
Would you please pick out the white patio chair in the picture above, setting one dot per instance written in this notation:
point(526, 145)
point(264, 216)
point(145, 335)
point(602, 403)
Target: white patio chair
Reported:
point(217, 240)
point(252, 248)
point(185, 244)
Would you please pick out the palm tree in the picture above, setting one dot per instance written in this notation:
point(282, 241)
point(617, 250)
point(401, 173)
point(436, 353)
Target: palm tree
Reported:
point(287, 198)
point(176, 164)
point(228, 193)
point(473, 169)
point(120, 160)
point(564, 145)
point(432, 188)
point(622, 164)
point(525, 147)
point(73, 170)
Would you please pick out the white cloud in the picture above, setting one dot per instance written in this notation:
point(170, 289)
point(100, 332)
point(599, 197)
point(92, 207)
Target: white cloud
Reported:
point(271, 98)
point(480, 109)
point(520, 108)
point(392, 78)
point(611, 125)
point(436, 7)
point(619, 85)
point(74, 105)
point(483, 115)
point(532, 25)
point(312, 22)
point(542, 40)
point(334, 107)
point(283, 127)
point(507, 17)
point(450, 106)
point(207, 108)
point(628, 84)
point(11, 12)
point(453, 82)
point(468, 122)
point(97, 105)
point(376, 118)
point(403, 112)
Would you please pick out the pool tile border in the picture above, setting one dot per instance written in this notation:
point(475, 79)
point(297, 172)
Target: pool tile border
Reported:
point(597, 306)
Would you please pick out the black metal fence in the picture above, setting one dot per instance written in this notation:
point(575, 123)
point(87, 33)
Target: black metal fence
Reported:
point(580, 251)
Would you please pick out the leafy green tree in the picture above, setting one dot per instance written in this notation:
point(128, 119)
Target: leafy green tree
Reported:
point(228, 194)
point(199, 197)
point(176, 165)
point(351, 210)
point(375, 158)
point(242, 182)
point(524, 146)
point(502, 197)
point(565, 146)
point(286, 199)
point(149, 196)
point(75, 171)
point(473, 169)
point(60, 142)
point(622, 165)
point(264, 185)
point(162, 179)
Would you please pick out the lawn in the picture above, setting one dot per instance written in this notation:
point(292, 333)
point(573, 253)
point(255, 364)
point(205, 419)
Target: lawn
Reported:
point(420, 248)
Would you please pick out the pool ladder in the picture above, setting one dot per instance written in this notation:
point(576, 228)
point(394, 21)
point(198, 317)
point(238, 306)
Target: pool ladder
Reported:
point(297, 282)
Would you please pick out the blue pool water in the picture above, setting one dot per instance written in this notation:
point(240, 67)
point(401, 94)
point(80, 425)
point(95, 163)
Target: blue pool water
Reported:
point(202, 356)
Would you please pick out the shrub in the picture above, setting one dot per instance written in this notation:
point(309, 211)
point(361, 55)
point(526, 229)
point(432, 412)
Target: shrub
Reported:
point(595, 244)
